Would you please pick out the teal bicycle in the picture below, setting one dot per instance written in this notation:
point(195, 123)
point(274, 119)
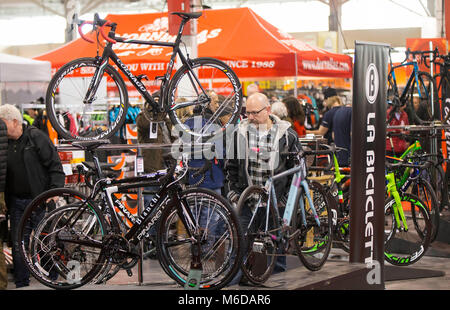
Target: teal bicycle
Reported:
point(305, 224)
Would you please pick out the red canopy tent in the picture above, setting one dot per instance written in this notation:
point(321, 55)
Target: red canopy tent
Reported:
point(250, 45)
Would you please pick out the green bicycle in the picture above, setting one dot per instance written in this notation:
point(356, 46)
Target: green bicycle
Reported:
point(407, 225)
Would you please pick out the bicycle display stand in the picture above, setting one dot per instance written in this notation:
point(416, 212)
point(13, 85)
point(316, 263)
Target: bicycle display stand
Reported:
point(395, 273)
point(138, 150)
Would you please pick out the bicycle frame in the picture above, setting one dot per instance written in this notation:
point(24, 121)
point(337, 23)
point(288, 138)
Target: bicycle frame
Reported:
point(298, 184)
point(413, 78)
point(397, 207)
point(149, 216)
point(108, 53)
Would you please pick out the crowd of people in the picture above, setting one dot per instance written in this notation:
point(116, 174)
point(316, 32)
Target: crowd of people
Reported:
point(30, 165)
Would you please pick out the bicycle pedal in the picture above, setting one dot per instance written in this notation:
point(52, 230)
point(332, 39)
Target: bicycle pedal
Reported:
point(129, 272)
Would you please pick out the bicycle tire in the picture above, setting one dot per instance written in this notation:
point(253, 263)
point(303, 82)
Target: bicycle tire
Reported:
point(195, 120)
point(441, 89)
point(71, 266)
point(313, 243)
point(65, 96)
point(404, 248)
point(423, 189)
point(260, 249)
point(425, 84)
point(439, 182)
point(220, 234)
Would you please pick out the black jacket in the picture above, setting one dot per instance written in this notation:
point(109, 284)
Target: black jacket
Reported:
point(236, 165)
point(42, 162)
point(3, 155)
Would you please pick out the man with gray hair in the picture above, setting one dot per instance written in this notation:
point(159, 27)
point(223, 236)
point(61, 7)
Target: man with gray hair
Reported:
point(33, 166)
point(3, 223)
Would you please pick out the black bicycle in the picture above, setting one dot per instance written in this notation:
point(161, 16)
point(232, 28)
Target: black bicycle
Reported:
point(69, 239)
point(441, 65)
point(420, 85)
point(87, 98)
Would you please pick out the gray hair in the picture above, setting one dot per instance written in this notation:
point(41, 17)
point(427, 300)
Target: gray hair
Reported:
point(10, 112)
point(279, 109)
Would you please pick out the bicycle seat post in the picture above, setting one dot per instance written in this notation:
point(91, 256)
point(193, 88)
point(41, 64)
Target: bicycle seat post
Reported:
point(96, 164)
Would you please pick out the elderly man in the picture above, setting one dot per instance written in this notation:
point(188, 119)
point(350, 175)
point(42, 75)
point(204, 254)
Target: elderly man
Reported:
point(33, 167)
point(255, 151)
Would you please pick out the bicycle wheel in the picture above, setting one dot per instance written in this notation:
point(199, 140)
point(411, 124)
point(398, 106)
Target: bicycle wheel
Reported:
point(216, 226)
point(61, 244)
point(260, 248)
point(70, 113)
point(313, 243)
point(441, 82)
point(423, 189)
point(204, 115)
point(425, 90)
point(439, 182)
point(406, 246)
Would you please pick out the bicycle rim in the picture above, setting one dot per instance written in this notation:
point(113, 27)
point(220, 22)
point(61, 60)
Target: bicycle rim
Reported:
point(51, 241)
point(426, 194)
point(219, 234)
point(260, 252)
point(201, 115)
point(407, 247)
point(69, 113)
point(313, 243)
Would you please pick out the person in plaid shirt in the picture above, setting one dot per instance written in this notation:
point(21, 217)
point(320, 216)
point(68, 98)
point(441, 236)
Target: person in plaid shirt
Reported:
point(254, 154)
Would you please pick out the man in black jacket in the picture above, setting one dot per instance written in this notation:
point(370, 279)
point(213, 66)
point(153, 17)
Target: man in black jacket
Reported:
point(254, 155)
point(255, 151)
point(33, 167)
point(3, 224)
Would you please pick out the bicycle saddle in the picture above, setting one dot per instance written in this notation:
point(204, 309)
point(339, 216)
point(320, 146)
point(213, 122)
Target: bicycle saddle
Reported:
point(89, 145)
point(188, 15)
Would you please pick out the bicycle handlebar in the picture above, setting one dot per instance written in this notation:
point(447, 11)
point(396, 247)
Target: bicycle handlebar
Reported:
point(425, 165)
point(97, 22)
point(102, 23)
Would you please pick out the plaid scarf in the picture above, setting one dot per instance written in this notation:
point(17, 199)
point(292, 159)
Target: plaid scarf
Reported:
point(261, 148)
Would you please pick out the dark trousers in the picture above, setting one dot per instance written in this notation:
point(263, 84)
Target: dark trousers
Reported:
point(280, 263)
point(16, 208)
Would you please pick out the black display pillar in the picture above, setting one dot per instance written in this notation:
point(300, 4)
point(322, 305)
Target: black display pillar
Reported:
point(368, 160)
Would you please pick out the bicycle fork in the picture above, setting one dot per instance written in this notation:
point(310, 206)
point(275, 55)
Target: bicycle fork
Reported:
point(95, 82)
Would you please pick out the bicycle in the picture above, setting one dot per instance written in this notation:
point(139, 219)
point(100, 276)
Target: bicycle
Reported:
point(419, 84)
point(403, 212)
point(336, 187)
point(79, 241)
point(427, 179)
point(440, 79)
point(306, 223)
point(413, 178)
point(88, 89)
point(397, 204)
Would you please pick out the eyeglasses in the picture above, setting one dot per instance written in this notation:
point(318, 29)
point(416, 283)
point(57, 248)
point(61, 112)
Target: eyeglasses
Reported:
point(254, 113)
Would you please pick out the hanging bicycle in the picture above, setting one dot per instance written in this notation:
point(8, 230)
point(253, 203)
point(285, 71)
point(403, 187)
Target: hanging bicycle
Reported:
point(87, 88)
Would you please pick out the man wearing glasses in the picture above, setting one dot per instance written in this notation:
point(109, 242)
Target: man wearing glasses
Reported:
point(254, 154)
